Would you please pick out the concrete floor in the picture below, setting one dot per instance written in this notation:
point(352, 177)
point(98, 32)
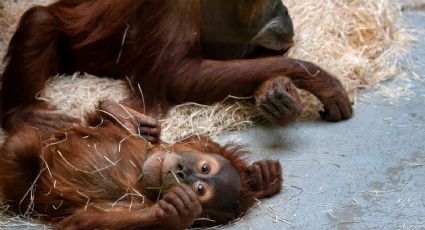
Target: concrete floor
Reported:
point(365, 173)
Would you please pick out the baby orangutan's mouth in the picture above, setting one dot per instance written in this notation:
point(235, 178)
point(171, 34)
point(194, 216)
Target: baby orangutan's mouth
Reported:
point(159, 170)
point(152, 170)
point(160, 159)
point(169, 170)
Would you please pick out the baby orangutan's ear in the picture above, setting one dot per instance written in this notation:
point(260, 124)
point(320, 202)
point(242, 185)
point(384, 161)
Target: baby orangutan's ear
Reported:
point(264, 178)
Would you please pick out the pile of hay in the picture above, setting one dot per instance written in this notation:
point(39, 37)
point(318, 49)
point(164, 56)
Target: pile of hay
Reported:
point(359, 41)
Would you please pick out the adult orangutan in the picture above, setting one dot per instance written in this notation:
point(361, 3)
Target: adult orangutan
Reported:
point(107, 176)
point(176, 51)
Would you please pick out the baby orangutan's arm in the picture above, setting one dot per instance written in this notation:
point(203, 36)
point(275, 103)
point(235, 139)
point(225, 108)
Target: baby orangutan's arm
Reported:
point(177, 210)
point(266, 178)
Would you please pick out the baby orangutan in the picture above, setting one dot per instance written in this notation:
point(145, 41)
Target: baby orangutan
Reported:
point(109, 176)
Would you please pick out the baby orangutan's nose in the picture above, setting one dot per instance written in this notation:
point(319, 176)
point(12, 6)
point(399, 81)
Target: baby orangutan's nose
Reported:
point(182, 174)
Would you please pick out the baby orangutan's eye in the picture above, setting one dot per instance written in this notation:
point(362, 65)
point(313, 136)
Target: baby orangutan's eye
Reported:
point(205, 168)
point(201, 189)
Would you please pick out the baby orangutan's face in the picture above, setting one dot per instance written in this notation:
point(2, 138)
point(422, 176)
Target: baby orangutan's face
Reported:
point(212, 177)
